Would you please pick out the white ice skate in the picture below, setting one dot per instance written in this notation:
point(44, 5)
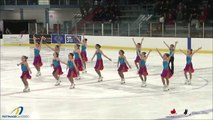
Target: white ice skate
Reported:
point(164, 88)
point(189, 82)
point(186, 82)
point(57, 83)
point(167, 88)
point(26, 89)
point(84, 71)
point(122, 81)
point(72, 86)
point(78, 78)
point(38, 74)
point(143, 84)
point(100, 79)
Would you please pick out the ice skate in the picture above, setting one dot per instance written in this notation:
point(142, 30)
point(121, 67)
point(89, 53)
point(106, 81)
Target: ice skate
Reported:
point(143, 84)
point(26, 89)
point(122, 81)
point(100, 79)
point(57, 83)
point(72, 86)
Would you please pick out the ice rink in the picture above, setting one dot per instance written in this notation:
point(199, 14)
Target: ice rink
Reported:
point(108, 99)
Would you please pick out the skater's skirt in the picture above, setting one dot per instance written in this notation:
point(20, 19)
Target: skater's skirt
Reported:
point(72, 73)
point(189, 68)
point(137, 59)
point(79, 64)
point(166, 73)
point(143, 71)
point(58, 69)
point(25, 75)
point(99, 65)
point(84, 56)
point(123, 68)
point(37, 61)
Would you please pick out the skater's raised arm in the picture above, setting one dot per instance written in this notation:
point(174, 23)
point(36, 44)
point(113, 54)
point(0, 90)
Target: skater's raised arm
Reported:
point(50, 48)
point(166, 44)
point(196, 50)
point(78, 39)
point(106, 56)
point(175, 45)
point(148, 54)
point(183, 52)
point(142, 40)
point(83, 35)
point(34, 39)
point(159, 53)
point(134, 42)
point(42, 39)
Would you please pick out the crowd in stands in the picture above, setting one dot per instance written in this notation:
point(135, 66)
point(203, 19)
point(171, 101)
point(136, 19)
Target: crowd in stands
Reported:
point(184, 10)
point(109, 13)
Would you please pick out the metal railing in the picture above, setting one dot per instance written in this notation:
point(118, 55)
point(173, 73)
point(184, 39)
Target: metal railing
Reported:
point(152, 29)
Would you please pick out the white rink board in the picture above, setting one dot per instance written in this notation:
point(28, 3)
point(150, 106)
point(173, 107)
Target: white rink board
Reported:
point(149, 42)
point(16, 39)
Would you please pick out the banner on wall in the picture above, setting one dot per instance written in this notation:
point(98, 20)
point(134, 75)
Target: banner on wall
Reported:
point(58, 39)
point(71, 39)
point(16, 39)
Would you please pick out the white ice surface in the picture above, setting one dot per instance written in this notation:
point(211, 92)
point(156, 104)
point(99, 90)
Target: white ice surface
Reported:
point(108, 99)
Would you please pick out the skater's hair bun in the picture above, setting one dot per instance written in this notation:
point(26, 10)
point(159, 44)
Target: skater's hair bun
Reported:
point(97, 45)
point(25, 57)
point(78, 46)
point(191, 50)
point(71, 54)
point(167, 55)
point(172, 45)
point(122, 51)
point(144, 53)
point(57, 46)
point(85, 39)
point(139, 44)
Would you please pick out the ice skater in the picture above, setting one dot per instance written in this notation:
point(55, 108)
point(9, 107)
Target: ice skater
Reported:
point(37, 58)
point(189, 66)
point(138, 47)
point(143, 70)
point(122, 65)
point(99, 62)
point(25, 73)
point(166, 73)
point(78, 60)
point(83, 51)
point(171, 48)
point(73, 70)
point(57, 68)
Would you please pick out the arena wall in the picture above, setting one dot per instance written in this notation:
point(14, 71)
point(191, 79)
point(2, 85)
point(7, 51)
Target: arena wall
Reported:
point(118, 42)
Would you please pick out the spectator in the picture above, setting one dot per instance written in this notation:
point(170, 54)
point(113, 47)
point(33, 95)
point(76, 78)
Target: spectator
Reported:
point(179, 16)
point(169, 19)
point(202, 18)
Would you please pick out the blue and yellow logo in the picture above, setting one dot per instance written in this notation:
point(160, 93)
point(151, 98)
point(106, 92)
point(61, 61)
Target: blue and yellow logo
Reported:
point(18, 111)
